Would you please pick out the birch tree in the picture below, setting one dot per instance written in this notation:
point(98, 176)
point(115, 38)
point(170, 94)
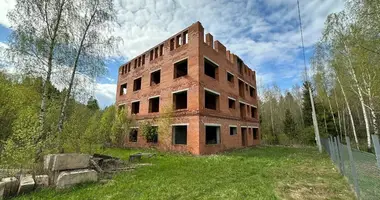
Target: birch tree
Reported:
point(39, 28)
point(90, 26)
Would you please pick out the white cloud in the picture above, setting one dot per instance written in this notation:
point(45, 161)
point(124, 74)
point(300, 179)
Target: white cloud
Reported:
point(265, 33)
point(5, 6)
point(105, 94)
point(260, 32)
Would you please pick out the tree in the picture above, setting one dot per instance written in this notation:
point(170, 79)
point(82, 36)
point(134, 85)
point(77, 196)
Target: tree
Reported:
point(289, 125)
point(90, 19)
point(306, 105)
point(106, 123)
point(92, 104)
point(93, 140)
point(121, 127)
point(38, 29)
point(164, 123)
point(148, 131)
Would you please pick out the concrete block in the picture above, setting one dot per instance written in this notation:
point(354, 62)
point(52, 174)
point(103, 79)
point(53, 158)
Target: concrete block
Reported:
point(70, 161)
point(26, 184)
point(10, 186)
point(41, 181)
point(70, 178)
point(48, 161)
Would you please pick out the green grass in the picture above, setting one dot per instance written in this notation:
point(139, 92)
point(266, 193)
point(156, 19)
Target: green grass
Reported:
point(254, 173)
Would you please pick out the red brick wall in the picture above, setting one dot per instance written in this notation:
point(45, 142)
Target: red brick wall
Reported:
point(227, 141)
point(195, 115)
point(165, 141)
point(222, 86)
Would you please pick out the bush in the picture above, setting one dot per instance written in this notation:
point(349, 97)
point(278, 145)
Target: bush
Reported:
point(20, 148)
point(149, 131)
point(121, 128)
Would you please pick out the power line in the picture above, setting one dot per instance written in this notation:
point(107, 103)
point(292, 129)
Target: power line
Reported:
point(314, 116)
point(303, 46)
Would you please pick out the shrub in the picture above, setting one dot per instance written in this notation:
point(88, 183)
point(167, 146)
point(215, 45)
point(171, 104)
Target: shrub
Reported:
point(149, 132)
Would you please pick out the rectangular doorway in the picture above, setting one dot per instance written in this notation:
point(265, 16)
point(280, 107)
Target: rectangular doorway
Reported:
point(244, 136)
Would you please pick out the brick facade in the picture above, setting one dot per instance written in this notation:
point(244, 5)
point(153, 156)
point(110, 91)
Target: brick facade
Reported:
point(192, 46)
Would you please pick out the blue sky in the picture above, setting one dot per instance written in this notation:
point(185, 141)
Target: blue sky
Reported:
point(265, 33)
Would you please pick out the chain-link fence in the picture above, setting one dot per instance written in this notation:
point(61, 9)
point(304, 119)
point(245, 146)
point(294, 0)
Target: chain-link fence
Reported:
point(362, 169)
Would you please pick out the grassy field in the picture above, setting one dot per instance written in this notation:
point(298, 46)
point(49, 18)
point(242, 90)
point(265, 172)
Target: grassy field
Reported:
point(255, 173)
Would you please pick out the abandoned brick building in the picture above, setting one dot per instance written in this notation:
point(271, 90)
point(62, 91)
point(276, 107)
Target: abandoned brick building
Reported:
point(211, 91)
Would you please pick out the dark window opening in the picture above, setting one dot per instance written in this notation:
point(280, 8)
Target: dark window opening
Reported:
point(242, 110)
point(143, 59)
point(253, 112)
point(151, 55)
point(156, 52)
point(240, 65)
point(129, 67)
point(185, 37)
point(123, 89)
point(251, 91)
point(231, 103)
point(230, 77)
point(211, 100)
point(154, 104)
point(180, 100)
point(180, 69)
point(135, 107)
point(211, 69)
point(172, 44)
point(161, 50)
point(133, 135)
point(246, 87)
point(178, 41)
point(241, 88)
point(155, 78)
point(153, 138)
point(139, 62)
point(212, 134)
point(248, 110)
point(180, 134)
point(137, 84)
point(255, 135)
point(233, 130)
point(135, 64)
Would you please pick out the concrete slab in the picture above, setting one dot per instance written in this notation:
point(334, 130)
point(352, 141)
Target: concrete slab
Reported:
point(70, 178)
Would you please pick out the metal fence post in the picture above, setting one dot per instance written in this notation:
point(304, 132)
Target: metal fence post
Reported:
point(333, 154)
point(375, 139)
point(353, 168)
point(330, 148)
point(337, 154)
point(340, 147)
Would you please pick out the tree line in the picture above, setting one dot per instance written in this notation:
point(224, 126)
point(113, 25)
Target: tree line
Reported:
point(87, 128)
point(344, 81)
point(50, 38)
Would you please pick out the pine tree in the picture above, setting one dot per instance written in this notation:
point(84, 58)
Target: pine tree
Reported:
point(289, 125)
point(306, 105)
point(92, 104)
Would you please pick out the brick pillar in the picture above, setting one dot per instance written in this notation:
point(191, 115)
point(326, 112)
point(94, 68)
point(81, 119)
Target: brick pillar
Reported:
point(233, 58)
point(210, 40)
point(219, 47)
point(228, 54)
